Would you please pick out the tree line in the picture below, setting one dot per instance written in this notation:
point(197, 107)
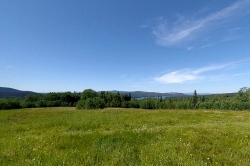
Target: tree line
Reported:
point(65, 99)
point(90, 99)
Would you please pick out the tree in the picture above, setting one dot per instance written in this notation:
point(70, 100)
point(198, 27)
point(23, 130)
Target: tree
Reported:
point(90, 100)
point(203, 99)
point(243, 94)
point(91, 103)
point(149, 103)
point(161, 99)
point(10, 104)
point(88, 93)
point(194, 99)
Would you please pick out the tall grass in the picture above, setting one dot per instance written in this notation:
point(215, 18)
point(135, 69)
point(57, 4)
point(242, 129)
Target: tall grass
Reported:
point(66, 136)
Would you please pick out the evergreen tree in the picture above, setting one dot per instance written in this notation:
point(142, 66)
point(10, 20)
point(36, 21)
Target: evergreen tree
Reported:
point(203, 99)
point(194, 99)
point(160, 98)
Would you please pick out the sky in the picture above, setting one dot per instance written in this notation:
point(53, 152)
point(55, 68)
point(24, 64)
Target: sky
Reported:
point(130, 45)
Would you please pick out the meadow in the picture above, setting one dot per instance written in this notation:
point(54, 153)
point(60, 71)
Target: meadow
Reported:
point(116, 136)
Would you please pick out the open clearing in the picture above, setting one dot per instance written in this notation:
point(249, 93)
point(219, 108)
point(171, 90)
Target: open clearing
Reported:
point(66, 136)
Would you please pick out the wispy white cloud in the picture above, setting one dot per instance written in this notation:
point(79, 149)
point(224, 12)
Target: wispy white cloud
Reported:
point(201, 74)
point(205, 46)
point(179, 76)
point(185, 30)
point(228, 37)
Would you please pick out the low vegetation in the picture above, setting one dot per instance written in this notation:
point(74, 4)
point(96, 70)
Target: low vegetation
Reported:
point(116, 136)
point(90, 99)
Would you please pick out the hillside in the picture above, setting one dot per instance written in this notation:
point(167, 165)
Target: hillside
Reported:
point(10, 92)
point(142, 94)
point(13, 93)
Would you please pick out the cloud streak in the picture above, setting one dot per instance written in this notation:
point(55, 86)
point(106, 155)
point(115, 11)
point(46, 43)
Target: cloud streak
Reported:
point(186, 30)
point(195, 75)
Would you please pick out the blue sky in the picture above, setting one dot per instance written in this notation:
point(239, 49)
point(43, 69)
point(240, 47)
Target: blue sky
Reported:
point(161, 46)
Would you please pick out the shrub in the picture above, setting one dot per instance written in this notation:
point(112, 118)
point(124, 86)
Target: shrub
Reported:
point(28, 104)
point(216, 105)
point(134, 104)
point(184, 105)
point(125, 104)
point(149, 103)
point(225, 105)
point(91, 103)
point(10, 104)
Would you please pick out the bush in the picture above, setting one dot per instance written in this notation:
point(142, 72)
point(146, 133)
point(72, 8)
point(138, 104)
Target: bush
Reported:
point(125, 104)
point(91, 103)
point(225, 105)
point(28, 104)
point(184, 105)
point(80, 104)
point(134, 104)
point(205, 105)
point(216, 105)
point(115, 103)
point(40, 103)
point(149, 103)
point(10, 104)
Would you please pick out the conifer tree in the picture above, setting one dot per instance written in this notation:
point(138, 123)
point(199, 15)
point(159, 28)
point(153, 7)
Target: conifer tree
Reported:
point(194, 99)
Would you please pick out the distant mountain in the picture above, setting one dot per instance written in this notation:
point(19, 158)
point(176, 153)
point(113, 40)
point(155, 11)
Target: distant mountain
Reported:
point(199, 94)
point(13, 93)
point(142, 94)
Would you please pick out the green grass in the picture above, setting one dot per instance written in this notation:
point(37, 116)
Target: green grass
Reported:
point(66, 136)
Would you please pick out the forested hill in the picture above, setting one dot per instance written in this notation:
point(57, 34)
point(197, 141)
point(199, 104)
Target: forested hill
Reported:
point(13, 93)
point(142, 94)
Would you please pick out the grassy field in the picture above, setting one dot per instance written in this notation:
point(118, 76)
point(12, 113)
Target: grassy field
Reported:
point(66, 136)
